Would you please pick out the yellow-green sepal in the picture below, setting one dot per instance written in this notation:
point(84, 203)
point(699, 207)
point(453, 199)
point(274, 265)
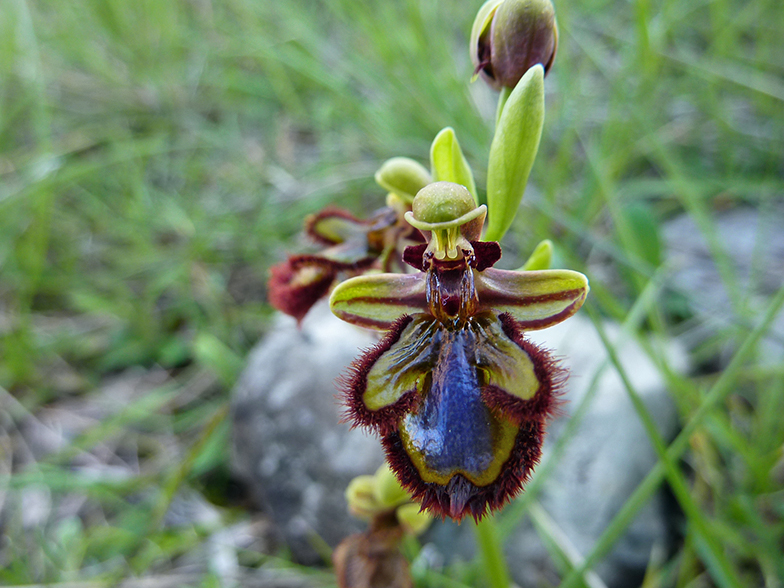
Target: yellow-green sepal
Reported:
point(376, 301)
point(447, 162)
point(480, 28)
point(535, 300)
point(513, 150)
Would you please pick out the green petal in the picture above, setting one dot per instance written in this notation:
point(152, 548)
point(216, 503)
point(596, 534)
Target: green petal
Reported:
point(376, 301)
point(448, 164)
point(541, 258)
point(513, 151)
point(535, 300)
point(403, 367)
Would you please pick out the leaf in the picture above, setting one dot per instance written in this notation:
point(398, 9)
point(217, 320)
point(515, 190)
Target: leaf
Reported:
point(448, 164)
point(218, 357)
point(642, 222)
point(513, 151)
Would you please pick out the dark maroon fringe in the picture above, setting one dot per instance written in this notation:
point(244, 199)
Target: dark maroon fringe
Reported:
point(546, 403)
point(353, 383)
point(295, 300)
point(312, 220)
point(460, 497)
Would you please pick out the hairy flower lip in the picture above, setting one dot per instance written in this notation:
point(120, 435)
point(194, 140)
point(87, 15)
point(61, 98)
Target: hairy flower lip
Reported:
point(455, 499)
point(546, 402)
point(462, 498)
point(354, 380)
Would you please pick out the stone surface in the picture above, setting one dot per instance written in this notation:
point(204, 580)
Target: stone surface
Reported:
point(288, 442)
point(749, 242)
point(606, 458)
point(298, 458)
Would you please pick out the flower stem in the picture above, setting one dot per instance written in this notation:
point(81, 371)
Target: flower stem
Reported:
point(491, 553)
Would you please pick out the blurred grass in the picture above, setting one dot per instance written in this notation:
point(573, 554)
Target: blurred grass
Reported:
point(157, 157)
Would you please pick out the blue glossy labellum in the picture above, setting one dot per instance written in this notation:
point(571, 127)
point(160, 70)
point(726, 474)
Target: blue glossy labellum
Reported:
point(459, 425)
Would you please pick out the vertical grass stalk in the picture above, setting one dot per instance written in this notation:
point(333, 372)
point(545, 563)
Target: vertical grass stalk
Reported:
point(491, 553)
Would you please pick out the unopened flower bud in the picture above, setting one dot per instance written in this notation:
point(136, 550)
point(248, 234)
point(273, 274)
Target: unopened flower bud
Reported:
point(403, 176)
point(511, 36)
point(360, 496)
point(413, 519)
point(387, 490)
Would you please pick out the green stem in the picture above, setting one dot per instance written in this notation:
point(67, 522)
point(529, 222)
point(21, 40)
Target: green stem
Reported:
point(491, 553)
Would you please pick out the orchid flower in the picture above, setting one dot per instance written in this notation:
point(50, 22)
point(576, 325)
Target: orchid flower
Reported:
point(458, 394)
point(350, 245)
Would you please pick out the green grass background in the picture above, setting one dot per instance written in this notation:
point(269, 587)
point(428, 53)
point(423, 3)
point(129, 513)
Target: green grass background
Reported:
point(156, 157)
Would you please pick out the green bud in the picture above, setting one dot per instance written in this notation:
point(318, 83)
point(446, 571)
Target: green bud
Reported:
point(360, 496)
point(387, 490)
point(403, 176)
point(511, 36)
point(412, 519)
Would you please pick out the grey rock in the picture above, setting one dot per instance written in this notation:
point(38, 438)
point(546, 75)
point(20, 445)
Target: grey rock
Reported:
point(288, 442)
point(607, 456)
point(290, 446)
point(749, 242)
